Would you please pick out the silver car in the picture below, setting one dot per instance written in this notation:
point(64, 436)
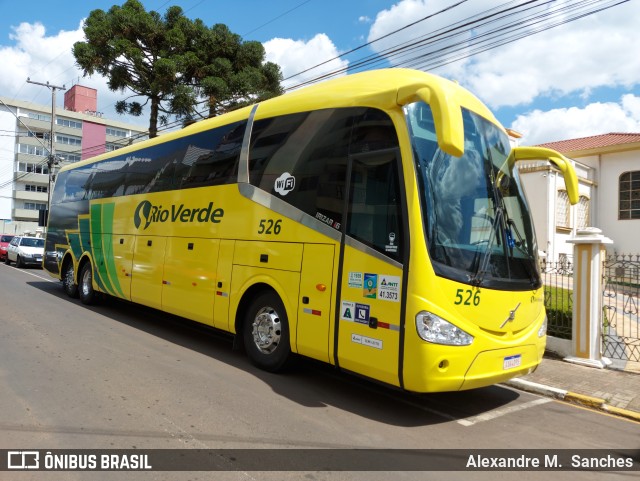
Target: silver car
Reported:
point(25, 250)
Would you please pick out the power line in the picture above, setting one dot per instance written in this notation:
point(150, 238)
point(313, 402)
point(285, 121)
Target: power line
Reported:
point(432, 50)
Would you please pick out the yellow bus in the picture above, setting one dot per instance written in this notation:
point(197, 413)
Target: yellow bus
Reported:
point(375, 222)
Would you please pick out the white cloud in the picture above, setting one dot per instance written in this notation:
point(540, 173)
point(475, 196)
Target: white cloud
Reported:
point(294, 56)
point(569, 123)
point(37, 56)
point(44, 58)
point(576, 57)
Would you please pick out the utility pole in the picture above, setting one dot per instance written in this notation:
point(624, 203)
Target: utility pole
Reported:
point(51, 160)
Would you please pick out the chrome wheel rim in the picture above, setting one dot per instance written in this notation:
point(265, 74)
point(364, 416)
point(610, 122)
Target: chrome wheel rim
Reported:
point(68, 277)
point(267, 330)
point(86, 283)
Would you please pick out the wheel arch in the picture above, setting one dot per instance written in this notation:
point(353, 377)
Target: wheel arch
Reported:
point(66, 259)
point(251, 291)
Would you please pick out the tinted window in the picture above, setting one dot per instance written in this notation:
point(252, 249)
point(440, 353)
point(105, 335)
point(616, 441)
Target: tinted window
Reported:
point(215, 166)
point(6, 238)
point(375, 214)
point(107, 178)
point(302, 158)
point(203, 159)
point(75, 185)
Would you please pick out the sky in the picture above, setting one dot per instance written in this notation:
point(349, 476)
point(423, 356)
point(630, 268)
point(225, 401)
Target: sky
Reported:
point(580, 78)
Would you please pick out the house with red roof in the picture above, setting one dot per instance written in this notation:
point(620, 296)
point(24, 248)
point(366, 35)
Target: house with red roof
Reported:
point(608, 168)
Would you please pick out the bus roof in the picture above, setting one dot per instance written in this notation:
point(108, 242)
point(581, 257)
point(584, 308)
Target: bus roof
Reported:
point(373, 88)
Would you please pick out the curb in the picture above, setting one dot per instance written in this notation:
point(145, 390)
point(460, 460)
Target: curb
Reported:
point(571, 397)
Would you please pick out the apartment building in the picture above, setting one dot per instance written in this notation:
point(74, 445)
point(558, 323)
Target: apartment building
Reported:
point(25, 142)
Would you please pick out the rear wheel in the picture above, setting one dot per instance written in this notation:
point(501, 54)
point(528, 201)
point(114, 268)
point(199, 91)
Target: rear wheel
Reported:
point(85, 284)
point(266, 333)
point(70, 286)
point(7, 261)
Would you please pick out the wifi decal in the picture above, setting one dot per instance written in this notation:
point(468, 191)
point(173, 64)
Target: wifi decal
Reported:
point(146, 214)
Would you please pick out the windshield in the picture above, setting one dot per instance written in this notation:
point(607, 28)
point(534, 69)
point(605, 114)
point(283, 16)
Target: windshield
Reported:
point(32, 242)
point(477, 221)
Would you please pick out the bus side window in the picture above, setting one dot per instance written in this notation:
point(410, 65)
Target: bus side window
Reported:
point(375, 210)
point(76, 184)
point(311, 150)
point(212, 158)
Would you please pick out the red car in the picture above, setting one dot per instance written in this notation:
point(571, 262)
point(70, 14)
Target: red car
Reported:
point(4, 242)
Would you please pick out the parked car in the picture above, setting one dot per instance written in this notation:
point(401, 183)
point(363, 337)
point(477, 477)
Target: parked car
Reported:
point(4, 243)
point(25, 251)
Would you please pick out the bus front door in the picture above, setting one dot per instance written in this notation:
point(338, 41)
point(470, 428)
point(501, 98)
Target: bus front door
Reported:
point(368, 334)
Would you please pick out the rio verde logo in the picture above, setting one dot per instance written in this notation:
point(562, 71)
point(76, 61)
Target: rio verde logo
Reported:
point(146, 213)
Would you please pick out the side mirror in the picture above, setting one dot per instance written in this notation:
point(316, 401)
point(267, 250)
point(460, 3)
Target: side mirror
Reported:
point(447, 115)
point(556, 158)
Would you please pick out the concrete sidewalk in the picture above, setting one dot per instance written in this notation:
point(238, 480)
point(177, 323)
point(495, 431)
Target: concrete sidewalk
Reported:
point(610, 390)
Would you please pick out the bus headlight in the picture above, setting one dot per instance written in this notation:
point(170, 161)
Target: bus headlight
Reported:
point(543, 328)
point(434, 329)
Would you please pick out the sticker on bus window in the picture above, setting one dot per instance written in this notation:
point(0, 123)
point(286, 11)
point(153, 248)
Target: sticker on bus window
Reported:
point(356, 280)
point(389, 288)
point(391, 247)
point(285, 184)
point(370, 288)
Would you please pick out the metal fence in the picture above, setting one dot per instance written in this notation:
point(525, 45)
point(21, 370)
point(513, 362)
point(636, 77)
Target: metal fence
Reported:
point(620, 303)
point(557, 278)
point(620, 329)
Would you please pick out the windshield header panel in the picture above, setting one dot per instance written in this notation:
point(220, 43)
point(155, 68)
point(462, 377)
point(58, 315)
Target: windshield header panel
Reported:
point(477, 222)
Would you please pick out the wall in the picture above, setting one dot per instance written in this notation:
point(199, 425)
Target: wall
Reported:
point(93, 139)
point(7, 157)
point(624, 233)
point(535, 184)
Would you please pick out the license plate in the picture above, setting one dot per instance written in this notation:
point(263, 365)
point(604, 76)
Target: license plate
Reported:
point(38, 259)
point(510, 362)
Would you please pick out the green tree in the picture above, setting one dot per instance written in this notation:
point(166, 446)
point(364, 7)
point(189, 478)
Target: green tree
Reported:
point(172, 62)
point(229, 72)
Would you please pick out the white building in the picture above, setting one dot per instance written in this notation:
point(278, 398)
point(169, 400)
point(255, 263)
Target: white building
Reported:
point(608, 168)
point(80, 133)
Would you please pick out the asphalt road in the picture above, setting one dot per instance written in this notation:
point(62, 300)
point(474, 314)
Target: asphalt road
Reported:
point(119, 376)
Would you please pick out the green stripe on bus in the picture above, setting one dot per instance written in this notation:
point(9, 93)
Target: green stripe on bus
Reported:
point(97, 250)
point(74, 244)
point(107, 245)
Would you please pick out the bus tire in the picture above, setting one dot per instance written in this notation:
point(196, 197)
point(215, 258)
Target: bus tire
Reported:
point(85, 285)
point(70, 287)
point(266, 333)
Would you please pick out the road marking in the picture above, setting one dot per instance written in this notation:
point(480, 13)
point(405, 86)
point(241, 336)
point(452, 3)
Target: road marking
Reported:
point(490, 415)
point(32, 274)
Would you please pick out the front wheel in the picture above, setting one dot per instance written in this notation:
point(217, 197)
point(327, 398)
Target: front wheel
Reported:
point(86, 291)
point(266, 333)
point(70, 286)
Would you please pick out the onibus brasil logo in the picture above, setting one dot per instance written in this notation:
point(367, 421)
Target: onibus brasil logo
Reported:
point(146, 213)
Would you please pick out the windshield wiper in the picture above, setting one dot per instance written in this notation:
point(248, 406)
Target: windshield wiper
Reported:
point(478, 277)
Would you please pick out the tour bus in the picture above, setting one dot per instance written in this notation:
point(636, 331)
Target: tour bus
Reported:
point(376, 222)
